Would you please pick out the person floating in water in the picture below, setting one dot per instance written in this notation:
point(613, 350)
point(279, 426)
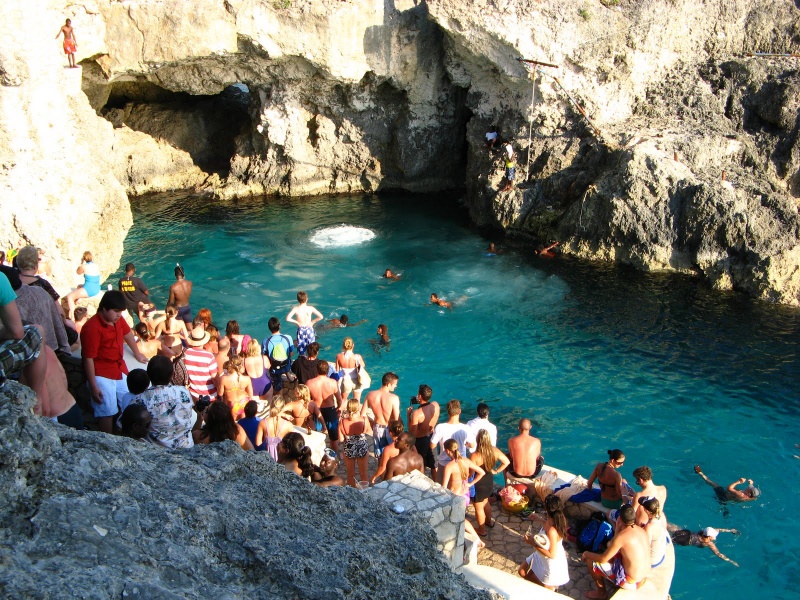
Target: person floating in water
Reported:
point(343, 321)
point(441, 302)
point(387, 274)
point(701, 539)
point(70, 42)
point(493, 250)
point(547, 251)
point(731, 494)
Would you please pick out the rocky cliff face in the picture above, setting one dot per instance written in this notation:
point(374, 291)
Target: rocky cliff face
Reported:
point(90, 515)
point(299, 97)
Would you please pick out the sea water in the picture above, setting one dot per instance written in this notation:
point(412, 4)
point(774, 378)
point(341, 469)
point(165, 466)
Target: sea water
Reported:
point(599, 357)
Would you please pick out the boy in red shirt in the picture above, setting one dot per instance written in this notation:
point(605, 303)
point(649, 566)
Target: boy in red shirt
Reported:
point(102, 348)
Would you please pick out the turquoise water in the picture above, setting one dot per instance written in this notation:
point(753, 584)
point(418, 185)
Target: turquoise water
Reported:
point(599, 357)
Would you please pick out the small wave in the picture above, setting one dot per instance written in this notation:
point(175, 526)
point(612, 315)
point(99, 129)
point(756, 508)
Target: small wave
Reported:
point(341, 235)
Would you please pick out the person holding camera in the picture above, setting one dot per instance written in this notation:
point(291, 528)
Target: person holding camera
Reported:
point(421, 423)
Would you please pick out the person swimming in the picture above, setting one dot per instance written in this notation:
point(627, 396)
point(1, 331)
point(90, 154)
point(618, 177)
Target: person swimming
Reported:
point(387, 274)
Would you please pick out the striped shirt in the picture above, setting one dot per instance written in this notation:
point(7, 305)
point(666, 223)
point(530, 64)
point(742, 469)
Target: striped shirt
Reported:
point(202, 369)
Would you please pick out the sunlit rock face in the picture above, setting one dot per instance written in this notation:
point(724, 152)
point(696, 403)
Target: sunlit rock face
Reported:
point(327, 96)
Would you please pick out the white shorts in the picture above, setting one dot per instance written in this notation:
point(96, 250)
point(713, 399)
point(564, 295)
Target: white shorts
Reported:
point(113, 392)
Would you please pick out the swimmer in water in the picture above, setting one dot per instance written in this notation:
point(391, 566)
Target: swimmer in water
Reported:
point(731, 494)
point(343, 321)
point(547, 251)
point(492, 249)
point(441, 302)
point(387, 274)
point(383, 341)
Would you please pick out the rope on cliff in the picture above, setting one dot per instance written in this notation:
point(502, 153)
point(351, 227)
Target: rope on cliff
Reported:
point(536, 64)
point(771, 55)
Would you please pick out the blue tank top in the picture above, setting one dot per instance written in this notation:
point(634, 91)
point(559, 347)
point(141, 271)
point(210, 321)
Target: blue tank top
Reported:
point(91, 279)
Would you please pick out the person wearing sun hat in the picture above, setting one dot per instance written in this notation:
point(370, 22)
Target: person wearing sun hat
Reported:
point(702, 539)
point(201, 365)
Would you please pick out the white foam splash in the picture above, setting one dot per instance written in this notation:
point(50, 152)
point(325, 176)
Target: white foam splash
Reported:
point(341, 235)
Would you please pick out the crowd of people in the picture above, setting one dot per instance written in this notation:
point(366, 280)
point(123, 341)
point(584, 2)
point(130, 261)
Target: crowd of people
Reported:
point(203, 385)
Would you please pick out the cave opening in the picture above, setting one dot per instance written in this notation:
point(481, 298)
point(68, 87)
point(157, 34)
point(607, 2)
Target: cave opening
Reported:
point(204, 126)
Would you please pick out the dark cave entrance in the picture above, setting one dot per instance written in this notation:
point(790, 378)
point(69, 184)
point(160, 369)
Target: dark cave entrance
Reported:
point(206, 127)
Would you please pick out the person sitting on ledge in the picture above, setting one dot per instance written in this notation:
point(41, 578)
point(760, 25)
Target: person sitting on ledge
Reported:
point(731, 494)
point(626, 561)
point(218, 426)
point(609, 479)
point(701, 539)
point(295, 455)
point(325, 474)
point(135, 422)
point(407, 458)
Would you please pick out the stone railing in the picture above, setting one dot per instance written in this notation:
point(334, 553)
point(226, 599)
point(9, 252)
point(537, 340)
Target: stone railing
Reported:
point(444, 511)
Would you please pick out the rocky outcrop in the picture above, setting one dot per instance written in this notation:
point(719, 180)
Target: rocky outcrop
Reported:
point(86, 514)
point(325, 96)
point(691, 156)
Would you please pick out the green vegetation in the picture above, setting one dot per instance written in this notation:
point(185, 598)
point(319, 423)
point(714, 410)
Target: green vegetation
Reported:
point(608, 3)
point(283, 4)
point(584, 13)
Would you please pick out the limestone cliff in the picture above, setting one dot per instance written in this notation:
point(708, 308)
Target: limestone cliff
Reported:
point(90, 515)
point(297, 97)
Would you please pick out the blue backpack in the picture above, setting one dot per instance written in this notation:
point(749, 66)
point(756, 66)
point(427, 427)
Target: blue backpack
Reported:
point(596, 533)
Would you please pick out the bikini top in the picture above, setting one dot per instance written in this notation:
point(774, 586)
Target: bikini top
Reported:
point(600, 481)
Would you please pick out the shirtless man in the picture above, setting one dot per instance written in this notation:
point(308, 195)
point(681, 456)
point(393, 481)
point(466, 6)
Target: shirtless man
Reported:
point(407, 460)
point(644, 478)
point(179, 294)
point(630, 569)
point(524, 450)
point(441, 302)
point(304, 316)
point(421, 422)
point(731, 494)
point(385, 406)
point(325, 393)
point(70, 42)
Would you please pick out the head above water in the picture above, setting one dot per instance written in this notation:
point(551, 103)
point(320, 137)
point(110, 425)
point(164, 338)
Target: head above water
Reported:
point(344, 319)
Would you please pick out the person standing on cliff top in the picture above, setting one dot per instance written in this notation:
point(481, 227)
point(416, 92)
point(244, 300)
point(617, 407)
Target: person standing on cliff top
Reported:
point(70, 42)
point(179, 294)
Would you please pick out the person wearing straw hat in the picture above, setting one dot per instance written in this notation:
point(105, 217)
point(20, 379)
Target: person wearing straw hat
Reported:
point(201, 365)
